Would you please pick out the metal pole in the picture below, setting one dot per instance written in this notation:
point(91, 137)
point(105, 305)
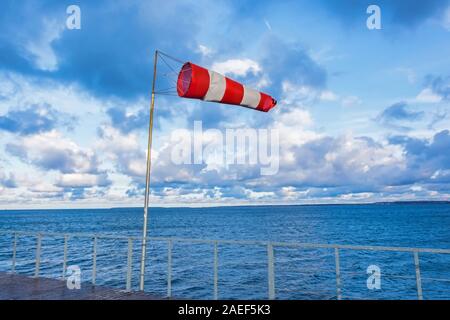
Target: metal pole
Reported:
point(169, 268)
point(418, 278)
point(270, 271)
point(216, 273)
point(94, 261)
point(38, 255)
point(338, 274)
point(14, 253)
point(147, 178)
point(65, 257)
point(129, 264)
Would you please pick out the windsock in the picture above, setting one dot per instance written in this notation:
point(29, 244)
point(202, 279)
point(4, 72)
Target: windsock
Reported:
point(196, 82)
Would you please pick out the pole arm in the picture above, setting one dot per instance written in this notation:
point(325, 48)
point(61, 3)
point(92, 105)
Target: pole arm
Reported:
point(147, 178)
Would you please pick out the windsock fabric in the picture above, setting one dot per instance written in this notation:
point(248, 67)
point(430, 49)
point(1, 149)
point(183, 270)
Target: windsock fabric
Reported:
point(196, 82)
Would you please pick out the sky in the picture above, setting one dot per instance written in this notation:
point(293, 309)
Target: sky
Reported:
point(363, 115)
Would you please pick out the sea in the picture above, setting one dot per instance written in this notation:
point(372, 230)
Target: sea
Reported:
point(243, 267)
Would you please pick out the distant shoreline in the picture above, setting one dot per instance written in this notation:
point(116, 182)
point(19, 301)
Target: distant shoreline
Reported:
point(420, 202)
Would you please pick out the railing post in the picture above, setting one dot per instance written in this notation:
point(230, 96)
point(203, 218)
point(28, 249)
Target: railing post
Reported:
point(13, 266)
point(94, 261)
point(216, 273)
point(418, 279)
point(65, 257)
point(129, 263)
point(270, 271)
point(38, 255)
point(169, 268)
point(338, 274)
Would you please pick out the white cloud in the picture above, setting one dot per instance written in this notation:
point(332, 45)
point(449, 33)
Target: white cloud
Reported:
point(7, 180)
point(52, 151)
point(356, 196)
point(112, 140)
point(44, 187)
point(204, 50)
point(305, 96)
point(70, 98)
point(350, 101)
point(41, 49)
point(237, 67)
point(292, 193)
point(446, 19)
point(269, 27)
point(263, 82)
point(410, 74)
point(124, 150)
point(328, 96)
point(296, 118)
point(298, 95)
point(82, 180)
point(428, 96)
point(257, 195)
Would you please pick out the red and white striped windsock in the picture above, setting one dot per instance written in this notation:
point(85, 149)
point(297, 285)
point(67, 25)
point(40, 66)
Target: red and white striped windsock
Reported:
point(199, 83)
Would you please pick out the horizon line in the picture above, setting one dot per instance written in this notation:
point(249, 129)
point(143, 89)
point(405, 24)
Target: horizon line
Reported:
point(238, 205)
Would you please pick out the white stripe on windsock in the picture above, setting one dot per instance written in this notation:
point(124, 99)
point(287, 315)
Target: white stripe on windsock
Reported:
point(251, 98)
point(217, 86)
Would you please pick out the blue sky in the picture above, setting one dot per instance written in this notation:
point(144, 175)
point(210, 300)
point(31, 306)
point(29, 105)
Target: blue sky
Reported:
point(363, 115)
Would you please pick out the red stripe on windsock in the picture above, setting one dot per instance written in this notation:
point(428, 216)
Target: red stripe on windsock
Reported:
point(234, 92)
point(193, 81)
point(266, 102)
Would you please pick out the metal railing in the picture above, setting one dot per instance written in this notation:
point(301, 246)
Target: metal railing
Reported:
point(270, 247)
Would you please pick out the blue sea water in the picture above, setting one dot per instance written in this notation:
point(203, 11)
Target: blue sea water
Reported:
point(242, 269)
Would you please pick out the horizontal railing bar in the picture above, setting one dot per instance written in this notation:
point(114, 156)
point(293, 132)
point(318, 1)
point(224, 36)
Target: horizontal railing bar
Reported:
point(360, 248)
point(77, 235)
point(302, 292)
point(360, 298)
point(385, 275)
point(239, 242)
point(438, 292)
point(435, 279)
point(317, 272)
